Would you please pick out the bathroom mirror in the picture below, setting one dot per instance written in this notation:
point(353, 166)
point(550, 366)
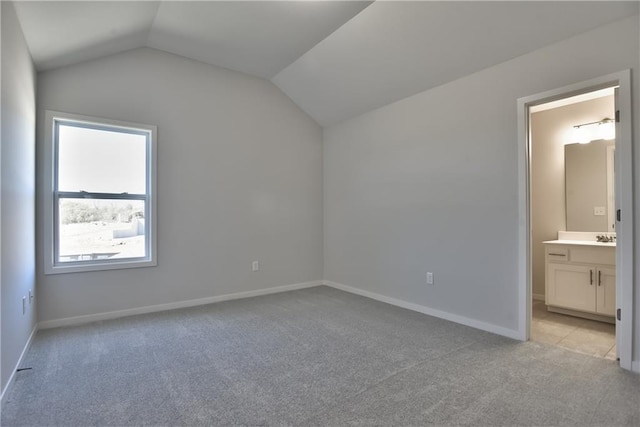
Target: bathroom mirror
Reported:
point(589, 190)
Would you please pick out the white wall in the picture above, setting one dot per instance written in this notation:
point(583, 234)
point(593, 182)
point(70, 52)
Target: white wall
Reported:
point(239, 179)
point(18, 192)
point(430, 183)
point(549, 132)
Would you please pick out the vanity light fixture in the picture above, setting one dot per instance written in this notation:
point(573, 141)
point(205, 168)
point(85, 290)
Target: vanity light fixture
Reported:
point(587, 132)
point(607, 129)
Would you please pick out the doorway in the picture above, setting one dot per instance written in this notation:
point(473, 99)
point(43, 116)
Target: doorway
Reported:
point(569, 195)
point(552, 272)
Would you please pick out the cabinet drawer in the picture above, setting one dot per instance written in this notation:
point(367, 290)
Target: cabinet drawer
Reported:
point(591, 255)
point(581, 254)
point(557, 254)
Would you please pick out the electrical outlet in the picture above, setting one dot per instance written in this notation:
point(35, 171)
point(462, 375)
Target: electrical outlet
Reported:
point(598, 210)
point(24, 305)
point(255, 266)
point(429, 278)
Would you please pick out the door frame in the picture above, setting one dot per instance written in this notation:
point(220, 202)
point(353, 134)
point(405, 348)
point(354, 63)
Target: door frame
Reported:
point(624, 202)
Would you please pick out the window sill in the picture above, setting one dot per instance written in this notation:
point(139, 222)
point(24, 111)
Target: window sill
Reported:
point(98, 266)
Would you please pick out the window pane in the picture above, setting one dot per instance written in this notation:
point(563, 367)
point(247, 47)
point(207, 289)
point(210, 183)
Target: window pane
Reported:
point(101, 161)
point(92, 229)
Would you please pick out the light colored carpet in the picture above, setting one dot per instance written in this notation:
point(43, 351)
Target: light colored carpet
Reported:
point(317, 356)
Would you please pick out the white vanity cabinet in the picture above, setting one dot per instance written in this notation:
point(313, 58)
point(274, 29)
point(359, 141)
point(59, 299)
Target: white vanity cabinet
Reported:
point(581, 277)
point(606, 291)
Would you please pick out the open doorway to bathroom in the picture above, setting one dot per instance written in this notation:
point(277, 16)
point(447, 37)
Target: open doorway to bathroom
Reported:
point(573, 258)
point(572, 199)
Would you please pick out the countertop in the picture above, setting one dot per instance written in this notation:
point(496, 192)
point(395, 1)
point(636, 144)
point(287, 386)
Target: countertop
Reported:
point(581, 243)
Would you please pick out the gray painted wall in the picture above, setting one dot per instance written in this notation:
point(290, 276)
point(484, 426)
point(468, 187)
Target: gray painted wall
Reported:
point(18, 192)
point(549, 132)
point(430, 183)
point(239, 179)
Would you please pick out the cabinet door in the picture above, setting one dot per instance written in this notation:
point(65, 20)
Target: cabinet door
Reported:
point(606, 291)
point(571, 286)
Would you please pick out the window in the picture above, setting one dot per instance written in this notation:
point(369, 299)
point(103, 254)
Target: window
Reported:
point(100, 202)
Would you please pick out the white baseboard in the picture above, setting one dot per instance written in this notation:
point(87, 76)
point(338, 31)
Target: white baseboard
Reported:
point(635, 366)
point(499, 330)
point(538, 297)
point(5, 392)
point(77, 320)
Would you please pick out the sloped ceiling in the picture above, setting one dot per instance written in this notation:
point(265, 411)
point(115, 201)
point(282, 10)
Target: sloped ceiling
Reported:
point(393, 50)
point(254, 37)
point(335, 59)
point(258, 38)
point(64, 33)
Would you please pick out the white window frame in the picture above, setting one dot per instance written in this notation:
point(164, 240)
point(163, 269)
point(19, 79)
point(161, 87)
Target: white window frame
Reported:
point(52, 120)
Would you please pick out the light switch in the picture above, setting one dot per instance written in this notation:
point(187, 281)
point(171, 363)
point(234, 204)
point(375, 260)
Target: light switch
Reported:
point(598, 210)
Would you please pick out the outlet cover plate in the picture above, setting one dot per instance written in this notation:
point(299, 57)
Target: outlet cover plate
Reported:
point(429, 278)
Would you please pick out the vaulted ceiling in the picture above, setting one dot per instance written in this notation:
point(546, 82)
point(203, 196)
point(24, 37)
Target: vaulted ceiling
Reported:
point(335, 59)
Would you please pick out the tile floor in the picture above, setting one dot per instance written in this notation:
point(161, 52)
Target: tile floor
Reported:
point(573, 333)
